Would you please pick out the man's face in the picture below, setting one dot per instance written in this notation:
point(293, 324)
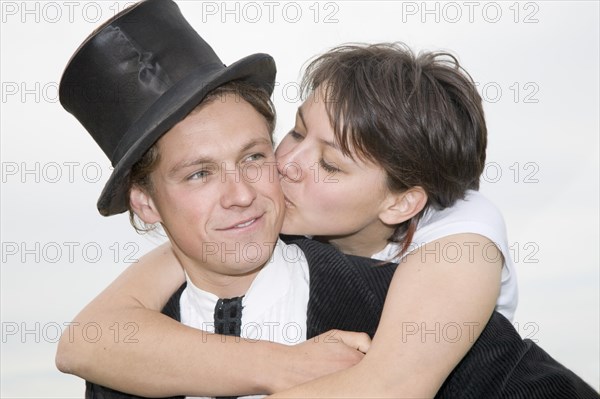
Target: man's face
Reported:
point(216, 191)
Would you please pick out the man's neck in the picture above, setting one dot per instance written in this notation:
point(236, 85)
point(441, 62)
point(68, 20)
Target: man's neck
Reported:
point(223, 284)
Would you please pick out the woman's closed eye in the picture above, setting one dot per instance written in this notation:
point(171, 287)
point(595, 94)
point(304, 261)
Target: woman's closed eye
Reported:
point(328, 167)
point(296, 135)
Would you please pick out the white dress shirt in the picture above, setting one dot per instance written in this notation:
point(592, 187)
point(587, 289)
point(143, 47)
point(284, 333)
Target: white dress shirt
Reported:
point(274, 308)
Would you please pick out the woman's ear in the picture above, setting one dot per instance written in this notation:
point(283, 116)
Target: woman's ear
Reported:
point(143, 205)
point(401, 207)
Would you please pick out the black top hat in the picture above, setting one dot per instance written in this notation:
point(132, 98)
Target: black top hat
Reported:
point(140, 74)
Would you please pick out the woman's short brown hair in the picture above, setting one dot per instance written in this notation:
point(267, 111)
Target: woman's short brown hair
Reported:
point(417, 116)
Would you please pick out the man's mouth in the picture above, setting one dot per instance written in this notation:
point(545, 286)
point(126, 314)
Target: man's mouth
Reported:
point(243, 223)
point(248, 223)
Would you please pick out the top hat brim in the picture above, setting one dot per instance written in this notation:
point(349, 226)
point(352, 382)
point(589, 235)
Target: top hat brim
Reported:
point(172, 107)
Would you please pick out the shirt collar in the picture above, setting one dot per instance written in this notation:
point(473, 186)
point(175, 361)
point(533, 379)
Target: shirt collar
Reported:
point(271, 284)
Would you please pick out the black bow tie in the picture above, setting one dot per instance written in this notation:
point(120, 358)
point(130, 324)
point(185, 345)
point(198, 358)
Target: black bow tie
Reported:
point(228, 320)
point(228, 316)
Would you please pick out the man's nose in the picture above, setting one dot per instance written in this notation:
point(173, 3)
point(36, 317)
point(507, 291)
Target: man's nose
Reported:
point(237, 190)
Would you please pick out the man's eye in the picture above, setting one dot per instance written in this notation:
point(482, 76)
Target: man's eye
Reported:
point(200, 175)
point(256, 157)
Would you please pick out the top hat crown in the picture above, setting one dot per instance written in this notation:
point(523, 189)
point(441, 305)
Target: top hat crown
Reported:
point(137, 76)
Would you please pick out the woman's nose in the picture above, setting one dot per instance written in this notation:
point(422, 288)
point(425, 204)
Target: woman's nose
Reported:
point(292, 162)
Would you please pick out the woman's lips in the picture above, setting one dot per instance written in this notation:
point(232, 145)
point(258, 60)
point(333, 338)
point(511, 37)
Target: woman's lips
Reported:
point(288, 203)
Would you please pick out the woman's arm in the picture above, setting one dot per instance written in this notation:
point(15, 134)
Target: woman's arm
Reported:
point(440, 299)
point(155, 355)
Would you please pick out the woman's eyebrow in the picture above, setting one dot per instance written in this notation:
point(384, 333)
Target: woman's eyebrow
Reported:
point(328, 143)
point(331, 144)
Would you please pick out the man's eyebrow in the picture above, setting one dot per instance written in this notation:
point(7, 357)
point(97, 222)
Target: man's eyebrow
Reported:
point(205, 160)
point(256, 142)
point(202, 160)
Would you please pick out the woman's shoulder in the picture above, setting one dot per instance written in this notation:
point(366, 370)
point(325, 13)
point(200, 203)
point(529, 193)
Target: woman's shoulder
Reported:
point(474, 214)
point(474, 208)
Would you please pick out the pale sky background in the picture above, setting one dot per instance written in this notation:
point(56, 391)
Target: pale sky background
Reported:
point(537, 64)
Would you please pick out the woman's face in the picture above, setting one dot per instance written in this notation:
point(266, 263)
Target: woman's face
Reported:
point(328, 194)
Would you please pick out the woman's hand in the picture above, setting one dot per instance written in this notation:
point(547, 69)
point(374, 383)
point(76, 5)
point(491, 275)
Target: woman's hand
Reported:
point(324, 354)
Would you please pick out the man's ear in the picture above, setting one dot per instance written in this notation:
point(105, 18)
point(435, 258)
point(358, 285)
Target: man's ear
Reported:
point(143, 205)
point(401, 207)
